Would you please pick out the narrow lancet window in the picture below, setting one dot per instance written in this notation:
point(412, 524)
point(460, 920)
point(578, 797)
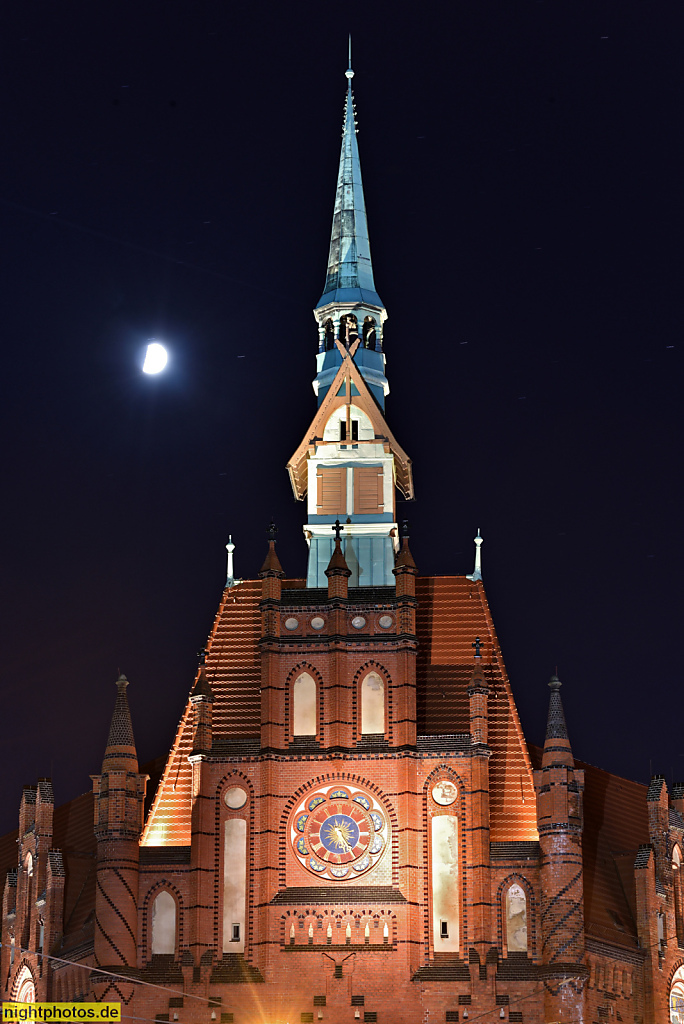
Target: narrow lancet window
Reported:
point(234, 885)
point(164, 924)
point(516, 919)
point(304, 699)
point(372, 704)
point(445, 902)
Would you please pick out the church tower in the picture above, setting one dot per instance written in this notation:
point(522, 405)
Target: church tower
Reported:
point(349, 464)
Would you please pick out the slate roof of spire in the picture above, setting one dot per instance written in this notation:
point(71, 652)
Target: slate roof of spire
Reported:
point(120, 743)
point(350, 271)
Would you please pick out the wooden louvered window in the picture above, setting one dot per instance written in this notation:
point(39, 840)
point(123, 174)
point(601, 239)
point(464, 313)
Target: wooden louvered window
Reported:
point(368, 496)
point(332, 491)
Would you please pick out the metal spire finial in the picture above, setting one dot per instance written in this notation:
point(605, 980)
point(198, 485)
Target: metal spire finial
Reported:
point(477, 572)
point(231, 581)
point(349, 73)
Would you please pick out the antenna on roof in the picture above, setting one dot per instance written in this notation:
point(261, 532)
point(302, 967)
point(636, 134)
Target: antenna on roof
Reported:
point(230, 548)
point(349, 73)
point(477, 572)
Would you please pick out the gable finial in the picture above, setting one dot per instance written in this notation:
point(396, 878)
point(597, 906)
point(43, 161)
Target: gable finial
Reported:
point(477, 644)
point(338, 528)
point(477, 572)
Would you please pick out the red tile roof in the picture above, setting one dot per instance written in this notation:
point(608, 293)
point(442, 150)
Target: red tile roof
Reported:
point(452, 611)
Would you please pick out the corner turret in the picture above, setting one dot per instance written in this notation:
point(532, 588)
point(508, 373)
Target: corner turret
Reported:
point(119, 797)
point(559, 787)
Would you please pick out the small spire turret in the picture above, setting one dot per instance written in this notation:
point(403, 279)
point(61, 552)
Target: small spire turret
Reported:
point(477, 571)
point(557, 749)
point(120, 752)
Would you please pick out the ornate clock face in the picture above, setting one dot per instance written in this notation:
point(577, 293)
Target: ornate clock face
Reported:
point(338, 832)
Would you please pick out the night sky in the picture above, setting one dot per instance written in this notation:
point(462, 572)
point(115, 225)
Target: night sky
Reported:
point(169, 170)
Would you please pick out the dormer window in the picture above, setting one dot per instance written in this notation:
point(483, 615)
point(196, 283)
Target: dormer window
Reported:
point(354, 430)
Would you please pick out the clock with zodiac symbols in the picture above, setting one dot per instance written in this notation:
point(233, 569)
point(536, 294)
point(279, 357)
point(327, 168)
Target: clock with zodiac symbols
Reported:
point(339, 832)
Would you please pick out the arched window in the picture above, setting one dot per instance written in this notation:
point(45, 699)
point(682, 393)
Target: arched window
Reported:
point(677, 997)
point(515, 909)
point(304, 706)
point(373, 704)
point(164, 924)
point(28, 864)
point(25, 987)
point(368, 332)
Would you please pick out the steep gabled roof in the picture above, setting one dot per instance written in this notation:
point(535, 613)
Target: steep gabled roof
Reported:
point(452, 611)
point(339, 394)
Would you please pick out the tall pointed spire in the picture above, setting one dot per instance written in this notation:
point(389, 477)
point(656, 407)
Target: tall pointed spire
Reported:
point(350, 271)
point(120, 751)
point(350, 313)
point(557, 749)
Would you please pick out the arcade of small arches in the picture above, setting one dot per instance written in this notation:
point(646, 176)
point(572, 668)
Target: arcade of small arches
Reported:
point(338, 928)
point(346, 330)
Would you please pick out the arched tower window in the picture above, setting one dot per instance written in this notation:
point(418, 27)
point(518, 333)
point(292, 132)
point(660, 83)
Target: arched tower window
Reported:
point(372, 704)
point(304, 706)
point(28, 863)
point(164, 924)
point(369, 332)
point(349, 329)
point(515, 909)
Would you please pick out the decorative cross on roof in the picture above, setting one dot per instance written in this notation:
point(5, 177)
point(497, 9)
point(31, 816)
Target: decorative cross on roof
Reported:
point(478, 643)
point(272, 530)
point(338, 528)
point(202, 655)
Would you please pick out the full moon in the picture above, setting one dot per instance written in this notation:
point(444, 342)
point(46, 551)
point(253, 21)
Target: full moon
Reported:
point(156, 358)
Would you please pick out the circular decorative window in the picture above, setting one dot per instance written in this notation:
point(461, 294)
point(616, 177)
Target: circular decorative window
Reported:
point(358, 622)
point(235, 797)
point(385, 621)
point(444, 793)
point(317, 622)
point(291, 623)
point(338, 832)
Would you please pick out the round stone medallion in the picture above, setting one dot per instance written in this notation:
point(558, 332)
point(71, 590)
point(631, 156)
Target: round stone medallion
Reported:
point(317, 622)
point(444, 793)
point(291, 623)
point(358, 622)
point(235, 798)
point(385, 621)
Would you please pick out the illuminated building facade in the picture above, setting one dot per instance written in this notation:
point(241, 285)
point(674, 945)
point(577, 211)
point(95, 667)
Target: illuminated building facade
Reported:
point(350, 824)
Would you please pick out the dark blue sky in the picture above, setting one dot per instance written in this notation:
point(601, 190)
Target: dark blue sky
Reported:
point(169, 170)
